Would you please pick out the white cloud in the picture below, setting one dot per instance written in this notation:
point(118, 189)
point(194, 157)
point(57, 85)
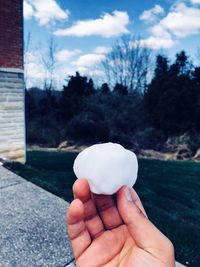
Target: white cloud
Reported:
point(30, 56)
point(151, 14)
point(89, 72)
point(195, 1)
point(62, 74)
point(96, 72)
point(102, 50)
point(108, 25)
point(86, 65)
point(182, 21)
point(65, 54)
point(44, 12)
point(34, 71)
point(159, 31)
point(89, 60)
point(28, 10)
point(154, 42)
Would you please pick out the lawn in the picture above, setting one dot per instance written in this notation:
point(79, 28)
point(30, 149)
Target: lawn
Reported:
point(169, 190)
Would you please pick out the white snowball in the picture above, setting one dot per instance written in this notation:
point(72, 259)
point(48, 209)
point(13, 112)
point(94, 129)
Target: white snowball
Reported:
point(107, 167)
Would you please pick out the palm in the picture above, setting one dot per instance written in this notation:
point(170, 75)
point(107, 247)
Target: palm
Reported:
point(125, 253)
point(100, 238)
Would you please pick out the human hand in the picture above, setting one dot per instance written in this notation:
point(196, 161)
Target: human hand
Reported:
point(105, 234)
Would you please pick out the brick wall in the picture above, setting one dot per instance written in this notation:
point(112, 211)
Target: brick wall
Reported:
point(12, 122)
point(11, 33)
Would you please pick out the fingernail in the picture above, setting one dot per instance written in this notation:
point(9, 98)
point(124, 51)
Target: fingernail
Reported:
point(128, 194)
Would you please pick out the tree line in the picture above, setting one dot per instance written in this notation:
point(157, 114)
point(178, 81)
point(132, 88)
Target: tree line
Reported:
point(129, 110)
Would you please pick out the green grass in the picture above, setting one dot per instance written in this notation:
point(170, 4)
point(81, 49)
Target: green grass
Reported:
point(169, 190)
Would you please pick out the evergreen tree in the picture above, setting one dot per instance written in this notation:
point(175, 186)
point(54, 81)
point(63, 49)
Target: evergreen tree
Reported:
point(196, 80)
point(155, 91)
point(105, 88)
point(74, 95)
point(170, 98)
point(120, 89)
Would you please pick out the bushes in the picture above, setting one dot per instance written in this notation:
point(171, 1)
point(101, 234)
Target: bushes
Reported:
point(42, 136)
point(111, 117)
point(86, 128)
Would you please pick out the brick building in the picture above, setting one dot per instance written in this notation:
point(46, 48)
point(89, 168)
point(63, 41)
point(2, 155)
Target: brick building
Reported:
point(12, 121)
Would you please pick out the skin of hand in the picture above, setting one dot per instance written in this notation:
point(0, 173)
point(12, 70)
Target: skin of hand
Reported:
point(114, 233)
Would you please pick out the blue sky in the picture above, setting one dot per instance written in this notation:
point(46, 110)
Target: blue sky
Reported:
point(84, 32)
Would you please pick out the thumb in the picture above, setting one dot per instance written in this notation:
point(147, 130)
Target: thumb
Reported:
point(144, 233)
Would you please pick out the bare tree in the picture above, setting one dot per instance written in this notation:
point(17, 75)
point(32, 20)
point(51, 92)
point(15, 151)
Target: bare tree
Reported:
point(26, 57)
point(49, 63)
point(128, 64)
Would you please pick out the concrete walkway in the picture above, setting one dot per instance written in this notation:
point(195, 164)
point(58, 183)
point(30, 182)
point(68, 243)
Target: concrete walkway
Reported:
point(32, 225)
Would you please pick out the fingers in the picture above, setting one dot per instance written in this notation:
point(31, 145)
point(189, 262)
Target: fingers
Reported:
point(92, 220)
point(77, 231)
point(81, 190)
point(107, 211)
point(137, 201)
point(145, 234)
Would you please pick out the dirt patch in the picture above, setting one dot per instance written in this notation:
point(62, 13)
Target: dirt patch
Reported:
point(197, 156)
point(176, 149)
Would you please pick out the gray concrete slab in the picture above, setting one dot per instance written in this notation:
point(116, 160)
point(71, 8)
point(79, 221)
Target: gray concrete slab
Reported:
point(32, 227)
point(72, 264)
point(179, 264)
point(8, 178)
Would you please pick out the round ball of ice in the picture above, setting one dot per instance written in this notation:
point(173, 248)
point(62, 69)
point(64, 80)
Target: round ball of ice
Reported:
point(107, 167)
